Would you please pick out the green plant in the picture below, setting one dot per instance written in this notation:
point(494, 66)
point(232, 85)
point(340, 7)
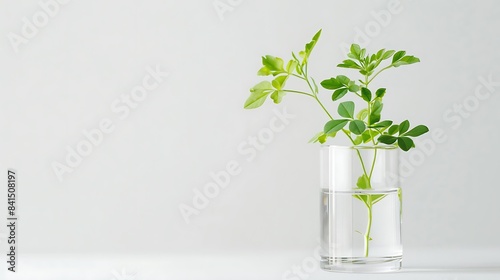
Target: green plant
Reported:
point(362, 127)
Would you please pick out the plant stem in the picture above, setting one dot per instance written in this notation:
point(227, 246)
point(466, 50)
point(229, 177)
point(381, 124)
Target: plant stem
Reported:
point(299, 92)
point(373, 165)
point(322, 106)
point(297, 76)
point(369, 225)
point(363, 165)
point(376, 74)
point(369, 204)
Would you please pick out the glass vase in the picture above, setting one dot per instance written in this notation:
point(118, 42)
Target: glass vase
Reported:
point(360, 212)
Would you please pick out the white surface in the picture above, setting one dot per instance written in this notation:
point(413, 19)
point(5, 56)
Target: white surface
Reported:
point(429, 264)
point(124, 197)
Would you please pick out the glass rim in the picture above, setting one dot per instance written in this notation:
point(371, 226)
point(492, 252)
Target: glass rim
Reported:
point(361, 147)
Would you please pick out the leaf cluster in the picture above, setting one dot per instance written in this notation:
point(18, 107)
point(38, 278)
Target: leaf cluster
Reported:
point(275, 66)
point(361, 127)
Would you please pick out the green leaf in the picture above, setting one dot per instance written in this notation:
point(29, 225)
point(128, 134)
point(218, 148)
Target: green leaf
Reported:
point(310, 46)
point(273, 63)
point(404, 126)
point(319, 137)
point(366, 94)
point(368, 135)
point(362, 114)
point(365, 136)
point(291, 66)
point(264, 71)
point(346, 109)
point(393, 129)
point(331, 83)
point(417, 131)
point(373, 58)
point(397, 56)
point(343, 80)
point(315, 137)
point(357, 127)
point(277, 96)
point(298, 69)
point(380, 92)
point(405, 143)
point(387, 139)
point(316, 36)
point(353, 87)
point(363, 182)
point(334, 126)
point(258, 95)
point(339, 93)
point(387, 54)
point(410, 59)
point(376, 64)
point(377, 197)
point(370, 199)
point(322, 138)
point(382, 124)
point(377, 106)
point(362, 53)
point(370, 67)
point(379, 54)
point(279, 82)
point(355, 49)
point(363, 198)
point(358, 140)
point(353, 56)
point(349, 64)
point(376, 109)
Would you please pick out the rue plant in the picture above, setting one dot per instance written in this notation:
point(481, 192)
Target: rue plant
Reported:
point(362, 127)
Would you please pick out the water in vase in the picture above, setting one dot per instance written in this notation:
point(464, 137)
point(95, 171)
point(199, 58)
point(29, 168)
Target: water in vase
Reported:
point(360, 230)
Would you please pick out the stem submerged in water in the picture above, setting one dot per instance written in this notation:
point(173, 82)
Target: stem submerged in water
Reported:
point(369, 205)
point(369, 201)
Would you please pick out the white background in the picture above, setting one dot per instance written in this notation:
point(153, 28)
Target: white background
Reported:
point(124, 197)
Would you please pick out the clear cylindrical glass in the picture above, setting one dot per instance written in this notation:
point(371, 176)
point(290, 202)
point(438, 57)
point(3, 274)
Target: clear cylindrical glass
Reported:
point(360, 212)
